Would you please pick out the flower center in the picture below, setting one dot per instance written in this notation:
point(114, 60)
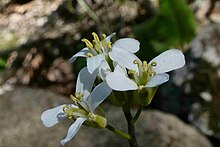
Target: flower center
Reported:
point(97, 46)
point(73, 113)
point(80, 111)
point(144, 74)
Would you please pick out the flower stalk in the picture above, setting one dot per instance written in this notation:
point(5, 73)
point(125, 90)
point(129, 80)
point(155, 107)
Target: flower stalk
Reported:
point(130, 123)
point(118, 132)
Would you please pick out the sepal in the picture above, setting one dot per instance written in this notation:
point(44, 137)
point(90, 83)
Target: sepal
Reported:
point(96, 121)
point(144, 96)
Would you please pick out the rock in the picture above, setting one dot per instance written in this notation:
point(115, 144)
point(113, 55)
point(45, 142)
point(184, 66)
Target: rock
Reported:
point(20, 125)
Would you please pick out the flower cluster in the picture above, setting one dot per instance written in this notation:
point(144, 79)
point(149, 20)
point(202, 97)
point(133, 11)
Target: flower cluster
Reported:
point(120, 70)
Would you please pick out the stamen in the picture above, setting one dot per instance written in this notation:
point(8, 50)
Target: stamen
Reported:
point(75, 99)
point(152, 73)
point(68, 111)
point(109, 45)
point(89, 55)
point(103, 36)
point(97, 45)
point(104, 43)
point(144, 65)
point(131, 72)
point(90, 116)
point(153, 64)
point(65, 108)
point(78, 95)
point(96, 37)
point(88, 43)
point(136, 62)
point(140, 69)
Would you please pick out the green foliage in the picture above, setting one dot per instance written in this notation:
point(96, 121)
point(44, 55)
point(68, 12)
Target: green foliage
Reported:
point(173, 26)
point(2, 64)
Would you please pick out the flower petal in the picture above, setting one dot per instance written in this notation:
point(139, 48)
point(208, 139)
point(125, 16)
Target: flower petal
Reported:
point(169, 60)
point(53, 116)
point(74, 128)
point(108, 38)
point(128, 44)
point(81, 53)
point(120, 82)
point(124, 58)
point(104, 69)
point(98, 95)
point(120, 70)
point(157, 80)
point(85, 81)
point(94, 62)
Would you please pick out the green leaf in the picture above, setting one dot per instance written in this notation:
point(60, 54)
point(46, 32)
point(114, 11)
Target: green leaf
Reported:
point(173, 26)
point(2, 62)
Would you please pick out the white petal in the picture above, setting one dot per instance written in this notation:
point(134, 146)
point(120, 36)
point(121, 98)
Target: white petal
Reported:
point(124, 58)
point(104, 69)
point(158, 79)
point(169, 60)
point(74, 128)
point(108, 38)
point(98, 95)
point(128, 44)
point(53, 116)
point(85, 81)
point(120, 70)
point(120, 82)
point(81, 53)
point(94, 62)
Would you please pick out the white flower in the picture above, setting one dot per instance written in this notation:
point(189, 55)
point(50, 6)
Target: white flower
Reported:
point(83, 109)
point(97, 51)
point(140, 74)
point(104, 69)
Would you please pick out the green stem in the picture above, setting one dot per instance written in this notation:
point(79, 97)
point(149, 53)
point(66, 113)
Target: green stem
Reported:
point(131, 127)
point(140, 108)
point(91, 13)
point(118, 132)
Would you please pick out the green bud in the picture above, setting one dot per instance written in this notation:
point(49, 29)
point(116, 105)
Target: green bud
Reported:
point(96, 121)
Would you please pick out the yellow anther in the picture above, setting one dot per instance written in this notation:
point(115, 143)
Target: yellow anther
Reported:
point(131, 72)
point(109, 44)
point(68, 111)
point(88, 43)
point(65, 108)
point(90, 116)
point(75, 99)
point(97, 45)
point(103, 36)
point(152, 73)
point(79, 96)
point(135, 62)
point(153, 64)
point(96, 37)
point(89, 55)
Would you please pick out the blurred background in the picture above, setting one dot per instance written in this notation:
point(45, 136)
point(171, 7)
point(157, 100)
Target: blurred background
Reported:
point(37, 37)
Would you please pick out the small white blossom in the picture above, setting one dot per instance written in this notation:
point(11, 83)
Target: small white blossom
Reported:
point(83, 109)
point(99, 50)
point(140, 74)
